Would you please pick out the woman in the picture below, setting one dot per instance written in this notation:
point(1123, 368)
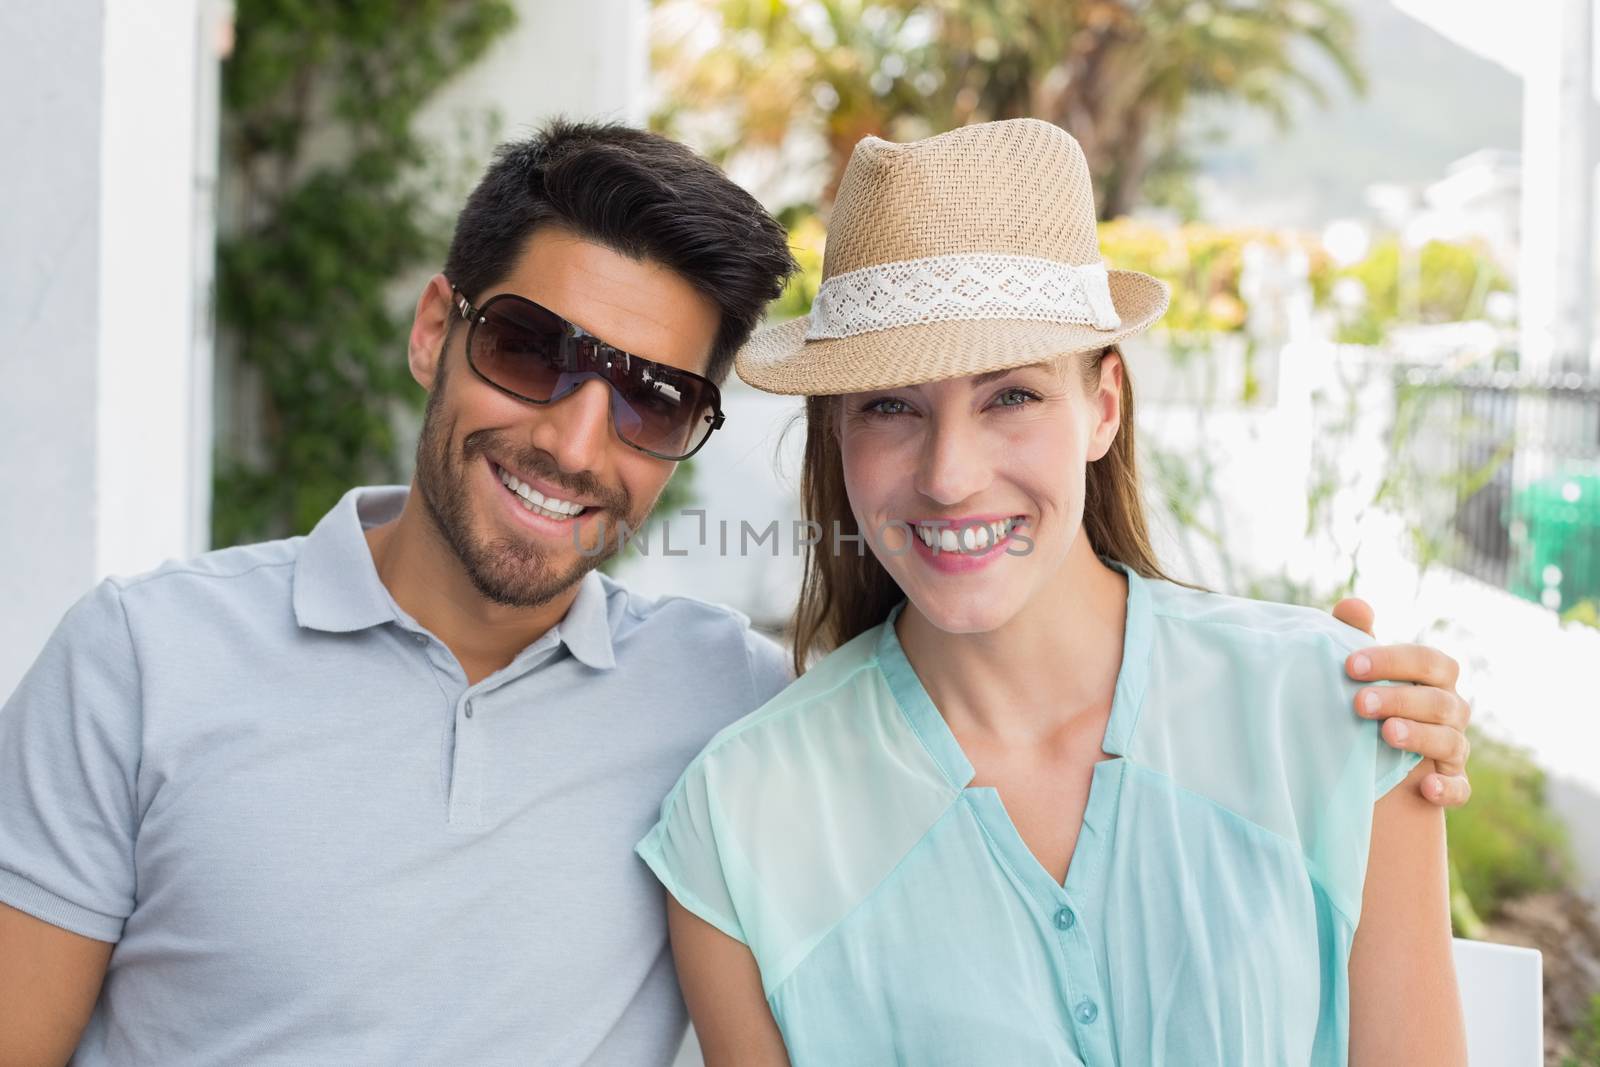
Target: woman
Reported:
point(1039, 804)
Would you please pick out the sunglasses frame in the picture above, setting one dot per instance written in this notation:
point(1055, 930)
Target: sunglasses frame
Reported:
point(611, 355)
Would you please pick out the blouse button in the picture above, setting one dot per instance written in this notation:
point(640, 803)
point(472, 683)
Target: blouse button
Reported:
point(1086, 1011)
point(1065, 919)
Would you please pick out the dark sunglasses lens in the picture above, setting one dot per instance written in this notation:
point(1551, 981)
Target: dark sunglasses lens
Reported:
point(662, 410)
point(517, 346)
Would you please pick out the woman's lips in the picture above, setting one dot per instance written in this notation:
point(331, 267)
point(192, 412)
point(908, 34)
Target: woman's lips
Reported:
point(967, 544)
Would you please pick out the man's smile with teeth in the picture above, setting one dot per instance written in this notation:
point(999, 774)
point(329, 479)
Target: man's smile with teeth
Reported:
point(548, 506)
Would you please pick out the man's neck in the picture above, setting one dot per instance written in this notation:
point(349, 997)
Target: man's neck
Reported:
point(422, 573)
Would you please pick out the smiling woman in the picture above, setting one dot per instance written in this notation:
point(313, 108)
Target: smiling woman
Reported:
point(1038, 803)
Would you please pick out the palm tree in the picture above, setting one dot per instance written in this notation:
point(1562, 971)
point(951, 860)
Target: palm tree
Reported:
point(1118, 74)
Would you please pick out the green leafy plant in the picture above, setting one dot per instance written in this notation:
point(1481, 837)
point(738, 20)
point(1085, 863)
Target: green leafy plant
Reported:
point(1440, 282)
point(333, 191)
point(1507, 842)
point(1120, 75)
point(1585, 1050)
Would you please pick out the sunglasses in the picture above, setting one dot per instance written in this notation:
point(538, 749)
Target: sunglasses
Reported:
point(531, 353)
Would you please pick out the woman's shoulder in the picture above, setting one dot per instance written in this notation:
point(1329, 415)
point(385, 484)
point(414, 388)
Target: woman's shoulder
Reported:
point(835, 682)
point(1243, 669)
point(836, 731)
point(792, 815)
point(1249, 706)
point(1219, 619)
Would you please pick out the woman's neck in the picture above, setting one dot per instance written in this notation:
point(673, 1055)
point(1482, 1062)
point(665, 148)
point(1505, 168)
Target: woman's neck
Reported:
point(1055, 662)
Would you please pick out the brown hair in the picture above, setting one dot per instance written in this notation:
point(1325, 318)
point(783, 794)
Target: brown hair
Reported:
point(845, 594)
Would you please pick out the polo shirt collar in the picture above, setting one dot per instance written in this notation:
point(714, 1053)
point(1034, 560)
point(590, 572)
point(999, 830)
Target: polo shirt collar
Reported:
point(336, 583)
point(586, 629)
point(337, 588)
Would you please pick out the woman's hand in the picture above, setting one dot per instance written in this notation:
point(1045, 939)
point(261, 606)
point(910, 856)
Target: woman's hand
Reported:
point(1428, 717)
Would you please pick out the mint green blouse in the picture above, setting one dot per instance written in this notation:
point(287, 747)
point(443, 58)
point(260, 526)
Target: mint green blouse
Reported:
point(898, 917)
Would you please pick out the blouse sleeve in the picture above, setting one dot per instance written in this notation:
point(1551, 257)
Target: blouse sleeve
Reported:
point(1355, 766)
point(688, 854)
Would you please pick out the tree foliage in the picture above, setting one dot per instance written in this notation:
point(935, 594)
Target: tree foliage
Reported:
point(332, 188)
point(1120, 75)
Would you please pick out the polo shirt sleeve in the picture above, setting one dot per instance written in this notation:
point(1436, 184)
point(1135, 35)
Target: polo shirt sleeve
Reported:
point(69, 758)
point(690, 852)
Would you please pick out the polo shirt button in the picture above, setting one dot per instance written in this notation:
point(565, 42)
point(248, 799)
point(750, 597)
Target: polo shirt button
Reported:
point(422, 639)
point(1086, 1011)
point(469, 711)
point(1065, 919)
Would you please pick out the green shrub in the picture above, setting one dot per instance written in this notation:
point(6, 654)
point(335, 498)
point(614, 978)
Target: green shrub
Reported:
point(1442, 282)
point(305, 278)
point(1505, 842)
point(1586, 1042)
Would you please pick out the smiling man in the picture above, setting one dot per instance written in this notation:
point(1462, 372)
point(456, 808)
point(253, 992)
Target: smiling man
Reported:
point(371, 795)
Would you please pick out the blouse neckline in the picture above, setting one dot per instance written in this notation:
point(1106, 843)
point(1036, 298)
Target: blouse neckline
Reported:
point(924, 718)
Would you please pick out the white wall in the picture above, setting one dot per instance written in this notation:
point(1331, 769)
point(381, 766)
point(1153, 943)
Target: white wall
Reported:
point(587, 60)
point(104, 402)
point(105, 265)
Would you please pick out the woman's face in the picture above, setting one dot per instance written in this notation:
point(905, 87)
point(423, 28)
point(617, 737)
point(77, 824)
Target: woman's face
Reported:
point(970, 490)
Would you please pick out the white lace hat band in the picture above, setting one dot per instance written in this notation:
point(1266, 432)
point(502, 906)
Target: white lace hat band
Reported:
point(965, 286)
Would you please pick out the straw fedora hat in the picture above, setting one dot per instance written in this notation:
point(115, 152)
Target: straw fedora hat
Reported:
point(968, 252)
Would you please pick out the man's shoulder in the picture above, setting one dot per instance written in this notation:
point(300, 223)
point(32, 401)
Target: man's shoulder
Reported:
point(241, 571)
point(719, 639)
point(159, 609)
point(630, 609)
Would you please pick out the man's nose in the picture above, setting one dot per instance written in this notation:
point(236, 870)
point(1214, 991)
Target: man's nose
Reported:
point(576, 429)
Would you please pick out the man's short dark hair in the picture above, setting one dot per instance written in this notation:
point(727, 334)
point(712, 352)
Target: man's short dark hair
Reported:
point(639, 194)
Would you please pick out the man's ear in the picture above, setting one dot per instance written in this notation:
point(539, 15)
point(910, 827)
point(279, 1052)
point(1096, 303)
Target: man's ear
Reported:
point(429, 327)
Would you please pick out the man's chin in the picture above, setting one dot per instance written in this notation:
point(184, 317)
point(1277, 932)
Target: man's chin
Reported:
point(527, 573)
point(509, 584)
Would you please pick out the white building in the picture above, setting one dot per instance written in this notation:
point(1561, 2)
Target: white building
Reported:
point(106, 253)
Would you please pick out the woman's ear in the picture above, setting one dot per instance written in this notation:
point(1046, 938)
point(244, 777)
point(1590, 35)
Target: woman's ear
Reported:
point(429, 328)
point(1106, 404)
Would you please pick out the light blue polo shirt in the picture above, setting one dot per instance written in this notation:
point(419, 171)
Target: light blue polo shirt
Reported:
point(898, 917)
point(313, 842)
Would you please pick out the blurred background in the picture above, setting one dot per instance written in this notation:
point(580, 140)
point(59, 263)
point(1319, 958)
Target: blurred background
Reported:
point(1379, 375)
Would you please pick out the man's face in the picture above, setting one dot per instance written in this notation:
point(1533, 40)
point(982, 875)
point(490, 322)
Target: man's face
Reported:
point(475, 438)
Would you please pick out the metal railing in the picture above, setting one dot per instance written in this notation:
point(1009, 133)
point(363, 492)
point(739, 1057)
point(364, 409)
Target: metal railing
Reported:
point(1501, 473)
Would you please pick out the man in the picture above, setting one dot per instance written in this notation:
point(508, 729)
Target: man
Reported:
point(371, 795)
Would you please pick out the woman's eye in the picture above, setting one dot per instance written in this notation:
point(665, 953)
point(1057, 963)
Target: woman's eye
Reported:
point(1015, 398)
point(885, 405)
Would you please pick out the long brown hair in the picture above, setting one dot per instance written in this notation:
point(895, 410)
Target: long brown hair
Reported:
point(846, 593)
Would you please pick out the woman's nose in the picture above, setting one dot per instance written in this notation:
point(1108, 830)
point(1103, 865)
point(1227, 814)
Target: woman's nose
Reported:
point(954, 464)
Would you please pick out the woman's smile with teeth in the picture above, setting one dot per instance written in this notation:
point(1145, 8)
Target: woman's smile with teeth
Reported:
point(535, 501)
point(966, 537)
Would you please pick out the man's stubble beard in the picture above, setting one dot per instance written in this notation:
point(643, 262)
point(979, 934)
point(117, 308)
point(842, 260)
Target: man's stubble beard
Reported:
point(507, 571)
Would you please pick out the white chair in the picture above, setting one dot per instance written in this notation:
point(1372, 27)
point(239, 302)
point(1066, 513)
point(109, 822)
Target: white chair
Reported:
point(1502, 997)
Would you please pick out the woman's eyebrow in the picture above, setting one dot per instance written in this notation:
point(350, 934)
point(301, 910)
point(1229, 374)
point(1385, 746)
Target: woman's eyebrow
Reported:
point(988, 376)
